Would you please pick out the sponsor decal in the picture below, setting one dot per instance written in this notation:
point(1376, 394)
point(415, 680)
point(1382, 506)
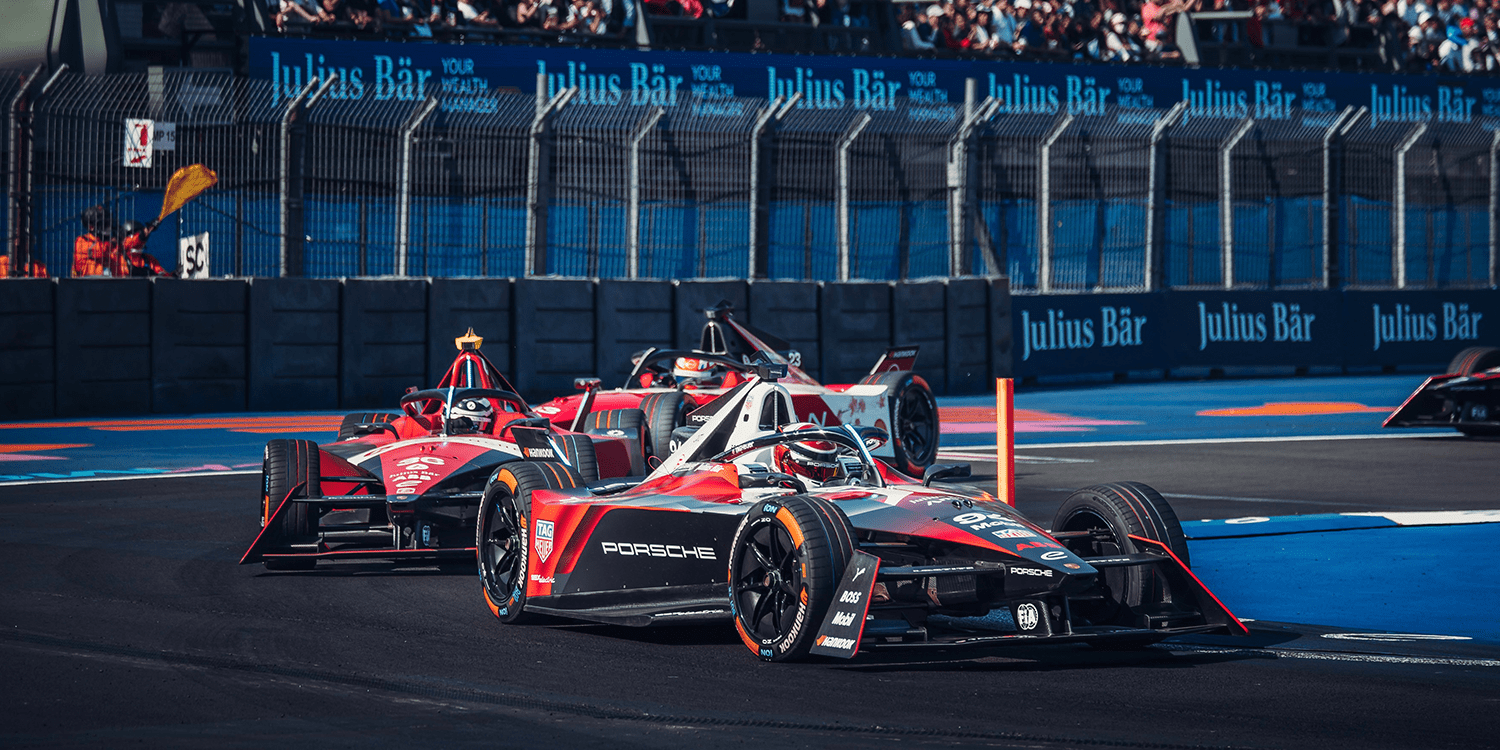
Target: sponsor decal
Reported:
point(1108, 560)
point(615, 433)
point(547, 409)
point(1117, 327)
point(833, 642)
point(1027, 616)
point(1012, 534)
point(851, 597)
point(540, 453)
point(843, 619)
point(1226, 324)
point(1034, 545)
point(543, 542)
point(542, 579)
point(1398, 324)
point(1038, 572)
point(1054, 555)
point(694, 613)
point(1072, 566)
point(632, 549)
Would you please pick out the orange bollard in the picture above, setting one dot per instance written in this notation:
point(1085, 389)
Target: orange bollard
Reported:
point(1005, 440)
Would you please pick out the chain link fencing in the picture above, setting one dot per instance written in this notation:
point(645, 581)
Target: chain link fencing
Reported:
point(322, 182)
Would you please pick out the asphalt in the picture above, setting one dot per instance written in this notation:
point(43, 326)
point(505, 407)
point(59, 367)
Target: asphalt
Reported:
point(126, 622)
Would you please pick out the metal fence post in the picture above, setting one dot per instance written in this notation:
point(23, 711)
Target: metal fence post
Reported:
point(290, 177)
point(1495, 209)
point(1044, 205)
point(18, 243)
point(408, 137)
point(539, 174)
point(759, 211)
point(1329, 214)
point(1398, 206)
point(1155, 203)
point(960, 191)
point(845, 142)
point(1226, 198)
point(633, 211)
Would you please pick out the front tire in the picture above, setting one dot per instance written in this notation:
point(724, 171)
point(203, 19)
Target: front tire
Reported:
point(785, 564)
point(1474, 359)
point(1118, 511)
point(287, 464)
point(503, 533)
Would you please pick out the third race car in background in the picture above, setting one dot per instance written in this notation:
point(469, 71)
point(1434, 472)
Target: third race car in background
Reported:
point(667, 384)
point(1466, 398)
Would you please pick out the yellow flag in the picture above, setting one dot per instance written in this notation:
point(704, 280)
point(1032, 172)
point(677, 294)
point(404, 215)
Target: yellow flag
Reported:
point(186, 184)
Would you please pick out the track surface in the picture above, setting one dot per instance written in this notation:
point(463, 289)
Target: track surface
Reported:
point(126, 621)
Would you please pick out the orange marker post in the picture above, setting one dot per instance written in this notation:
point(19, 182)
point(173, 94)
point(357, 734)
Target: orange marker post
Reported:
point(1005, 440)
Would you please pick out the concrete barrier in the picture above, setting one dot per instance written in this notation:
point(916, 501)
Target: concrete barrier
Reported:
point(920, 317)
point(198, 345)
point(789, 309)
point(456, 305)
point(28, 344)
point(103, 346)
point(384, 341)
point(554, 335)
point(294, 344)
point(857, 316)
point(967, 337)
point(631, 316)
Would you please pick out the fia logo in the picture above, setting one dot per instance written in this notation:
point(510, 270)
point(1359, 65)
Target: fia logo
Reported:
point(543, 539)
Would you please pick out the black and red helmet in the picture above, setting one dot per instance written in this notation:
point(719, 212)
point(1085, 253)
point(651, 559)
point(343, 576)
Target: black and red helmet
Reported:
point(815, 459)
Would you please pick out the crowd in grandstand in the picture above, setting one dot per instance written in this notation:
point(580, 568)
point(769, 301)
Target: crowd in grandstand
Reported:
point(1450, 35)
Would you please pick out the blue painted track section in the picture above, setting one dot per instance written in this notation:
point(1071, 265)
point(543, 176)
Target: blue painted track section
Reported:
point(1392, 579)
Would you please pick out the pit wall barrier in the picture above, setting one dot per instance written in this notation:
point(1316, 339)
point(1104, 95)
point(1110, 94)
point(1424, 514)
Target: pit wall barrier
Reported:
point(101, 347)
point(1186, 332)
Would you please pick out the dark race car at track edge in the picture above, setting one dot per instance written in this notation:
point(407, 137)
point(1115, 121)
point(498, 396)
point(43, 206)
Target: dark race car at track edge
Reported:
point(407, 486)
point(891, 397)
point(809, 545)
point(1466, 398)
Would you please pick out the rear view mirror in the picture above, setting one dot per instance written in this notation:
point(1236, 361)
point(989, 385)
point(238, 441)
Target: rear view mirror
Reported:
point(940, 472)
point(586, 384)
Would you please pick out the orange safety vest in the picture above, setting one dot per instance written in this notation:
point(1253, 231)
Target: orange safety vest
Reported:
point(38, 268)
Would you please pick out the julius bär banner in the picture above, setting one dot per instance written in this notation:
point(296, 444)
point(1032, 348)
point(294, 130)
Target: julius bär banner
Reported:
point(709, 83)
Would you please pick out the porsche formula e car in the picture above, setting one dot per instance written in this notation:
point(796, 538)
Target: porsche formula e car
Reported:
point(890, 397)
point(1467, 398)
point(831, 554)
point(407, 485)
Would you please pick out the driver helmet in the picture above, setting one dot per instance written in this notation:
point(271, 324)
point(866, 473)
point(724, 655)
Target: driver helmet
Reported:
point(130, 226)
point(691, 370)
point(815, 459)
point(477, 411)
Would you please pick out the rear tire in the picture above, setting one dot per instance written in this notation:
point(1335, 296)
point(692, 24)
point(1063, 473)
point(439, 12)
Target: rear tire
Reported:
point(1474, 359)
point(617, 423)
point(1122, 509)
point(288, 463)
point(785, 564)
point(349, 428)
point(503, 533)
point(665, 412)
point(914, 426)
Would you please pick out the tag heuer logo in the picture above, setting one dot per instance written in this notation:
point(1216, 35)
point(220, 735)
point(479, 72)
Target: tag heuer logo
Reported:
point(543, 539)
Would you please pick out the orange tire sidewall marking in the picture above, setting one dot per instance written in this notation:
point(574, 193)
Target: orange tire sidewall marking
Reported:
point(494, 609)
point(790, 524)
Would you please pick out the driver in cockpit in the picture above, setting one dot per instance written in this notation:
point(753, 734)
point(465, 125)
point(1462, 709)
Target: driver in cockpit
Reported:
point(470, 416)
point(701, 373)
point(815, 461)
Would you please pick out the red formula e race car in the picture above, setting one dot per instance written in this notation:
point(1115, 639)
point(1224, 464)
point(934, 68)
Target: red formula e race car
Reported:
point(1467, 398)
point(667, 384)
point(407, 485)
point(808, 544)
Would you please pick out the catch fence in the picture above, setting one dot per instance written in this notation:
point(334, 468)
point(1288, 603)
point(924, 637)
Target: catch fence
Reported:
point(319, 182)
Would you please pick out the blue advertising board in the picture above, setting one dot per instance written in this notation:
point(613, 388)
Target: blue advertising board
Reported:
point(463, 77)
point(1100, 333)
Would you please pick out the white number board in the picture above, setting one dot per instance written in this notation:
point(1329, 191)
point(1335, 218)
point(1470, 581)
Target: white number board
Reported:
point(192, 257)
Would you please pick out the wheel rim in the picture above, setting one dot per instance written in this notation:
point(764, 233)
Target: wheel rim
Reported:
point(1116, 580)
point(500, 551)
point(768, 582)
point(915, 417)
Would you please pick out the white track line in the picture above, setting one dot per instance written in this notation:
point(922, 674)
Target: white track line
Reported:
point(1205, 441)
point(1287, 653)
point(124, 477)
